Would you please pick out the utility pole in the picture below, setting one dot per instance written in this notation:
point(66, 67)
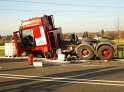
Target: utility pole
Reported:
point(118, 30)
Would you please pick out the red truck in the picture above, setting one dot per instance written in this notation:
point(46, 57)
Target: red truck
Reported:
point(39, 36)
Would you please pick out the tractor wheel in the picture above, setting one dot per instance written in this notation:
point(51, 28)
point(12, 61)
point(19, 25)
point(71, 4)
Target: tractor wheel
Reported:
point(48, 55)
point(85, 53)
point(105, 52)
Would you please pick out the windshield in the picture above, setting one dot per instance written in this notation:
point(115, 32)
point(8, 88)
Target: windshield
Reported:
point(28, 38)
point(27, 32)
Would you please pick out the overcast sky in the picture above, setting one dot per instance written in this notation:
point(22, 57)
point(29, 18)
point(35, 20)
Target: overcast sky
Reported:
point(71, 15)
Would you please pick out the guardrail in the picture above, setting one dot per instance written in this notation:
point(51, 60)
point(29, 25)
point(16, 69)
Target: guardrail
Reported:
point(119, 53)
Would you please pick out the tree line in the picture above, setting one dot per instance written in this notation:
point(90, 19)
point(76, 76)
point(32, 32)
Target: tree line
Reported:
point(4, 39)
point(108, 34)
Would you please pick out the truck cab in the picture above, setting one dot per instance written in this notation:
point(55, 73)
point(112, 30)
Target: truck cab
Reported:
point(38, 36)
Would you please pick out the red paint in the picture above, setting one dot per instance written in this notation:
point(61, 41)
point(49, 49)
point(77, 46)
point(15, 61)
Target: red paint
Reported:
point(34, 22)
point(36, 32)
point(106, 53)
point(31, 59)
point(85, 52)
point(19, 47)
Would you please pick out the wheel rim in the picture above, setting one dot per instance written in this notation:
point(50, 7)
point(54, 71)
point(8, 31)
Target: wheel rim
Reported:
point(85, 52)
point(106, 53)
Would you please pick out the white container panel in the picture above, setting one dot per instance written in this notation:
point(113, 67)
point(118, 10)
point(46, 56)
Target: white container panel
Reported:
point(10, 49)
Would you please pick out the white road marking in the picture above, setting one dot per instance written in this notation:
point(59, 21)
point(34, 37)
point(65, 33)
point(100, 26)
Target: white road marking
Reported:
point(18, 75)
point(65, 80)
point(60, 78)
point(92, 65)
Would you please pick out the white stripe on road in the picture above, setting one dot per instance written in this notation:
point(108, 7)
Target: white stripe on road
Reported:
point(61, 78)
point(65, 80)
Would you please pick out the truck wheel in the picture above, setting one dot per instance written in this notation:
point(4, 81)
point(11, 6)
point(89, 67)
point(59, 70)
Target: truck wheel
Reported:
point(85, 53)
point(105, 52)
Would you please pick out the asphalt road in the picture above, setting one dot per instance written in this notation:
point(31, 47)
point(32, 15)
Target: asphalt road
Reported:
point(17, 76)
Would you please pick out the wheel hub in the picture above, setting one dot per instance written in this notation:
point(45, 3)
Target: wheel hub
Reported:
point(106, 53)
point(85, 52)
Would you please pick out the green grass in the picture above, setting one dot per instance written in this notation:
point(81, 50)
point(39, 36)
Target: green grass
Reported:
point(1, 52)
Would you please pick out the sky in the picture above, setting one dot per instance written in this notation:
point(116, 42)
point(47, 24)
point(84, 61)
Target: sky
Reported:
point(71, 15)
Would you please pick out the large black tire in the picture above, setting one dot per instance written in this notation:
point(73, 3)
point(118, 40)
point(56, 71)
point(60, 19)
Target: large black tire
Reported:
point(105, 52)
point(85, 52)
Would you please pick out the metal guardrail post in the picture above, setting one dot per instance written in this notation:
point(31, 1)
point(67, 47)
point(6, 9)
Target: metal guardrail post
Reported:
point(120, 51)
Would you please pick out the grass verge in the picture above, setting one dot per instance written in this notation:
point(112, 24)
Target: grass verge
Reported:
point(1, 52)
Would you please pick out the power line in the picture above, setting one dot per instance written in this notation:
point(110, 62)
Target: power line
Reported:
point(53, 11)
point(18, 10)
point(63, 4)
point(14, 10)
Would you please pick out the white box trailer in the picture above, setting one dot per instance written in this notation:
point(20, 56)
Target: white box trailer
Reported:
point(10, 50)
